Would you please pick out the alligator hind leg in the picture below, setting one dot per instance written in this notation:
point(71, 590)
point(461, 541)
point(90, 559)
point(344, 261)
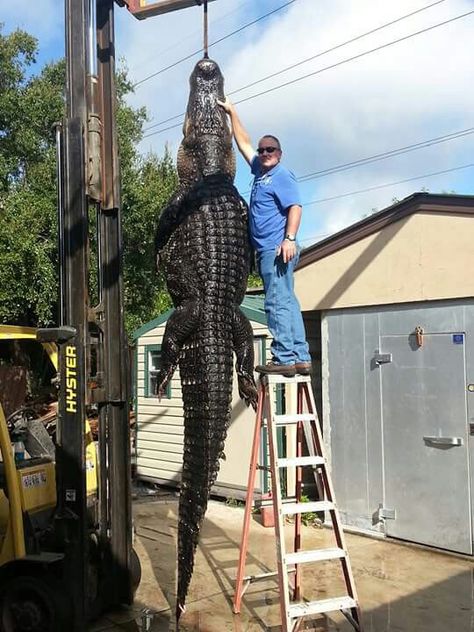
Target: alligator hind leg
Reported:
point(242, 337)
point(180, 325)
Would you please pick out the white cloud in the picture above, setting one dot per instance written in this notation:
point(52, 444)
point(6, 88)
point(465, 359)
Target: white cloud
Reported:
point(408, 92)
point(414, 90)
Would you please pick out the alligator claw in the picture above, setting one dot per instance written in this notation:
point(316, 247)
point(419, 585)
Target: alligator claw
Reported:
point(248, 391)
point(162, 383)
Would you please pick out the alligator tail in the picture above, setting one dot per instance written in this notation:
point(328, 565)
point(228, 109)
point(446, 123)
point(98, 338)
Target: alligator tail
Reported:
point(206, 375)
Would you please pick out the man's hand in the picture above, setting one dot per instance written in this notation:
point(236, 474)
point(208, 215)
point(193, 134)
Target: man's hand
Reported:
point(287, 249)
point(240, 134)
point(226, 105)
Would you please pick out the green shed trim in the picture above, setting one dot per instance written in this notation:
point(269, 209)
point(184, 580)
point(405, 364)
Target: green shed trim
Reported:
point(134, 386)
point(254, 315)
point(156, 322)
point(252, 307)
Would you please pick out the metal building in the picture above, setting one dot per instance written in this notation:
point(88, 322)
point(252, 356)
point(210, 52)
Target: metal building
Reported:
point(393, 300)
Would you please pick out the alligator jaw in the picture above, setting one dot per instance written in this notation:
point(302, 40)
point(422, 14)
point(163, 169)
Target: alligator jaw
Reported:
point(206, 148)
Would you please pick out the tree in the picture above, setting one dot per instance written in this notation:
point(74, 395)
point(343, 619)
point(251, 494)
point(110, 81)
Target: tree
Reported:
point(29, 107)
point(147, 185)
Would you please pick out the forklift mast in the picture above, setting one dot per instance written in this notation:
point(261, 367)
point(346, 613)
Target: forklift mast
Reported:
point(100, 567)
point(93, 361)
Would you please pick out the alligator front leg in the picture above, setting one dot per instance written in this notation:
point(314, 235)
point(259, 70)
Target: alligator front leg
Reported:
point(169, 220)
point(180, 325)
point(242, 337)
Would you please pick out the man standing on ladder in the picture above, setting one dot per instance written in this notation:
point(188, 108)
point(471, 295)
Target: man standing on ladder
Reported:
point(275, 215)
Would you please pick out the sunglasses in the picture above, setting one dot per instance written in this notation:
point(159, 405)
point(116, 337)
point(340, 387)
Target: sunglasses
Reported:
point(268, 150)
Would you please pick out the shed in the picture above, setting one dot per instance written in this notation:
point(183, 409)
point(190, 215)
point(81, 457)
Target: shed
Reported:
point(159, 429)
point(391, 301)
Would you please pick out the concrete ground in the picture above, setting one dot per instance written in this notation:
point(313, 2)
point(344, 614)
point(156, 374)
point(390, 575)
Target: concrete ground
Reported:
point(401, 588)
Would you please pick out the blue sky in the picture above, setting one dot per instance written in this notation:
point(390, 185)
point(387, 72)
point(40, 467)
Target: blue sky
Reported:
point(418, 89)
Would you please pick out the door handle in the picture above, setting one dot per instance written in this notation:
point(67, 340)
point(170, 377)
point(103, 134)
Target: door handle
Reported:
point(445, 441)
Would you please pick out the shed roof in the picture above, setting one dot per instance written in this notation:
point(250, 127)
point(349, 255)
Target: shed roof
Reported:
point(252, 307)
point(415, 203)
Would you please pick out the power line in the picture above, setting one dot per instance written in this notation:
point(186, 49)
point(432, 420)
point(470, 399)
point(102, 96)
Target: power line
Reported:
point(194, 33)
point(335, 65)
point(320, 54)
point(388, 184)
point(221, 39)
point(387, 154)
point(354, 57)
point(330, 50)
point(382, 156)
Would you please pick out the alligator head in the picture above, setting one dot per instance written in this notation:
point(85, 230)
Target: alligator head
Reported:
point(206, 148)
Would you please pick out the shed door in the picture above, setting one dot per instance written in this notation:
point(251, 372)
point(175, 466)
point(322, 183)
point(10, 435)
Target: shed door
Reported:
point(425, 440)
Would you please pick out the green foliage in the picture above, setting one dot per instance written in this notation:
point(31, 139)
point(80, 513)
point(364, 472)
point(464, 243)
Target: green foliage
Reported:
point(234, 502)
point(147, 185)
point(309, 518)
point(30, 104)
point(28, 108)
point(144, 196)
point(254, 280)
point(28, 284)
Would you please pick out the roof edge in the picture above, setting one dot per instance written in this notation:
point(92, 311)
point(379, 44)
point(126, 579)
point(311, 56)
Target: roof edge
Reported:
point(156, 322)
point(253, 314)
point(417, 202)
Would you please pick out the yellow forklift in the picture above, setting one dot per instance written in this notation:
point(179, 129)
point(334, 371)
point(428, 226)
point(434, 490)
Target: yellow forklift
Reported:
point(31, 594)
point(66, 555)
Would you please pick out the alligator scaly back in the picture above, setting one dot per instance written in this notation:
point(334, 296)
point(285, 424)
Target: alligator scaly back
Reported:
point(202, 245)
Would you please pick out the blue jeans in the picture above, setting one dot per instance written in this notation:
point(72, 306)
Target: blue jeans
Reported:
point(282, 308)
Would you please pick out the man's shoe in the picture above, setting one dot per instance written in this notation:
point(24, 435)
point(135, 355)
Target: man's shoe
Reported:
point(303, 368)
point(272, 368)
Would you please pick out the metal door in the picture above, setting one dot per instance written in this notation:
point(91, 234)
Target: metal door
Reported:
point(426, 440)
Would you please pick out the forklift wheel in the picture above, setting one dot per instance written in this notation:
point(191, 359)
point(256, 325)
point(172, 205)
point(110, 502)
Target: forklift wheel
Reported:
point(33, 603)
point(135, 571)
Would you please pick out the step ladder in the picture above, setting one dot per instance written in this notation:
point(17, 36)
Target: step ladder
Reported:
point(294, 608)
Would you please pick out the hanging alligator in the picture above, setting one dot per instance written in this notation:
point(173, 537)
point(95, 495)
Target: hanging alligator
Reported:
point(202, 246)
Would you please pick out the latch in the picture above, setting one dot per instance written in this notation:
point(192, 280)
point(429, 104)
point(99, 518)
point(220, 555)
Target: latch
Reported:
point(445, 442)
point(384, 513)
point(382, 358)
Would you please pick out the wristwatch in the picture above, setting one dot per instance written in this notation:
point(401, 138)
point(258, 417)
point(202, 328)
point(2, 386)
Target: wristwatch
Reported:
point(290, 237)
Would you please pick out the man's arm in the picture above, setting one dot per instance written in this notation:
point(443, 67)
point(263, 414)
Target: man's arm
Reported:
point(287, 248)
point(241, 136)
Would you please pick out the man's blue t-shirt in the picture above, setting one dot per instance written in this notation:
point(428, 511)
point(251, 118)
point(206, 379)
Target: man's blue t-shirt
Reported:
point(272, 194)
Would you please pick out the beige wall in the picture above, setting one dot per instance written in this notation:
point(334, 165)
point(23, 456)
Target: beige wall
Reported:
point(422, 257)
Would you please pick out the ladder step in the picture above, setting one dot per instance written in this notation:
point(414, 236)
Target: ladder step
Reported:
point(300, 508)
point(321, 555)
point(318, 607)
point(286, 420)
point(301, 461)
point(276, 378)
